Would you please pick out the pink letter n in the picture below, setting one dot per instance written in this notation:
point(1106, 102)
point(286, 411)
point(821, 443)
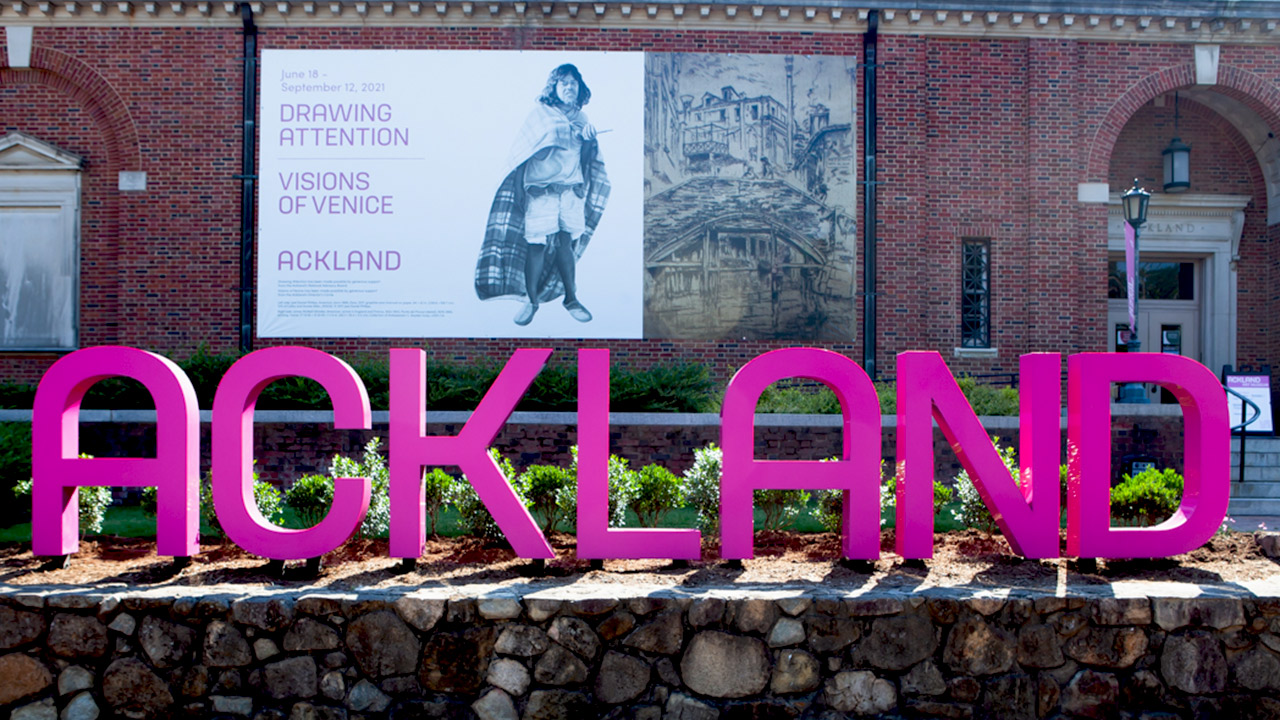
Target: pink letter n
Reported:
point(1028, 512)
point(1206, 455)
point(857, 472)
point(57, 471)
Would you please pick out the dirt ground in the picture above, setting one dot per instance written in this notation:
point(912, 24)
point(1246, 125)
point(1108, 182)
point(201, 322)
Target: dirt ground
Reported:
point(783, 559)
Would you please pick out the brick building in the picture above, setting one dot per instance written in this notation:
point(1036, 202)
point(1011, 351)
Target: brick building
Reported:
point(1002, 136)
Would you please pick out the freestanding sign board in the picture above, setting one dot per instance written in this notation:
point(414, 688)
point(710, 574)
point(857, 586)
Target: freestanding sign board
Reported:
point(1256, 387)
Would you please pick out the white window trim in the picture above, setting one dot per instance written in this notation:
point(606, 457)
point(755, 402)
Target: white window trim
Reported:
point(1203, 226)
point(37, 174)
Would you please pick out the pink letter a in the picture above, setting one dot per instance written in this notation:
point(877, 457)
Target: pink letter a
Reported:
point(857, 472)
point(56, 471)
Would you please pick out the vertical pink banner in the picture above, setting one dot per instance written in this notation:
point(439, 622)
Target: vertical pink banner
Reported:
point(1131, 276)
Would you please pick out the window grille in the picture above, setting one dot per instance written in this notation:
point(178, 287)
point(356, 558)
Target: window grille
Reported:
point(975, 293)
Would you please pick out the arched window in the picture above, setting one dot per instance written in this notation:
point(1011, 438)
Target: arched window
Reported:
point(39, 245)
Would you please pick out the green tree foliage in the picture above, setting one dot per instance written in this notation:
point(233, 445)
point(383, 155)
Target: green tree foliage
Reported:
point(622, 486)
point(377, 521)
point(474, 515)
point(780, 507)
point(266, 496)
point(15, 467)
point(310, 497)
point(973, 511)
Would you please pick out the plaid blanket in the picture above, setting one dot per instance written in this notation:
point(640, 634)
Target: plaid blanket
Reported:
point(500, 269)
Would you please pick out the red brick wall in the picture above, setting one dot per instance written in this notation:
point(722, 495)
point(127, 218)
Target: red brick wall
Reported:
point(978, 137)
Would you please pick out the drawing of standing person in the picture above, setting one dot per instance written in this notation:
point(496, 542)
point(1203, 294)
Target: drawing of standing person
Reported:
point(548, 205)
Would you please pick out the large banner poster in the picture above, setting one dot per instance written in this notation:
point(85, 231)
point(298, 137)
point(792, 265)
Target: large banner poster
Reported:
point(391, 183)
point(434, 193)
point(749, 197)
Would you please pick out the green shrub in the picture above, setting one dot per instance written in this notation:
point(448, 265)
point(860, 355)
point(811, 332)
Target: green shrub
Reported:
point(269, 500)
point(93, 501)
point(780, 507)
point(310, 497)
point(702, 486)
point(205, 370)
point(830, 506)
point(17, 396)
point(889, 495)
point(622, 486)
point(377, 521)
point(438, 487)
point(989, 400)
point(972, 511)
point(887, 393)
point(475, 516)
point(551, 493)
point(1147, 498)
point(661, 388)
point(657, 491)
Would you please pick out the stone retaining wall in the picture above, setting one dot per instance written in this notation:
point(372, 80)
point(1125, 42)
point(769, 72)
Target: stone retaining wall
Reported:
point(585, 652)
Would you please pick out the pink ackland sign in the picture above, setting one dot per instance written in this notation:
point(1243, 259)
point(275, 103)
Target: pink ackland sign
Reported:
point(1027, 512)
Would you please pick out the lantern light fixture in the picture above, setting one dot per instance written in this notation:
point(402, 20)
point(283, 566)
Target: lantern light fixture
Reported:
point(1177, 159)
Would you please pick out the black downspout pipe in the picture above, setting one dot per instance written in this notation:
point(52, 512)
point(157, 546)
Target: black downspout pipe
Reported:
point(869, 196)
point(248, 176)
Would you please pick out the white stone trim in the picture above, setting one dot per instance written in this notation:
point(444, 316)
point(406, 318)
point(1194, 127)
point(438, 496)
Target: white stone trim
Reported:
point(962, 20)
point(1207, 64)
point(132, 181)
point(1093, 192)
point(977, 353)
point(18, 42)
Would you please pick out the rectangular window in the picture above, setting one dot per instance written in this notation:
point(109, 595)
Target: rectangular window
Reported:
point(1159, 280)
point(975, 293)
point(39, 251)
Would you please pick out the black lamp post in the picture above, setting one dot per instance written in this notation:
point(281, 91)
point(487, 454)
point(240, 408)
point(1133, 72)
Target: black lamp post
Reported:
point(1135, 213)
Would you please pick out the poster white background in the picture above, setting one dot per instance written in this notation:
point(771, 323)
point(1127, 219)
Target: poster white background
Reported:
point(1258, 389)
point(460, 112)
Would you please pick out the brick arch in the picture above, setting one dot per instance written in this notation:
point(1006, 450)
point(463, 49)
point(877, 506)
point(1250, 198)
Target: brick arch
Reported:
point(1249, 89)
point(61, 72)
point(1241, 146)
